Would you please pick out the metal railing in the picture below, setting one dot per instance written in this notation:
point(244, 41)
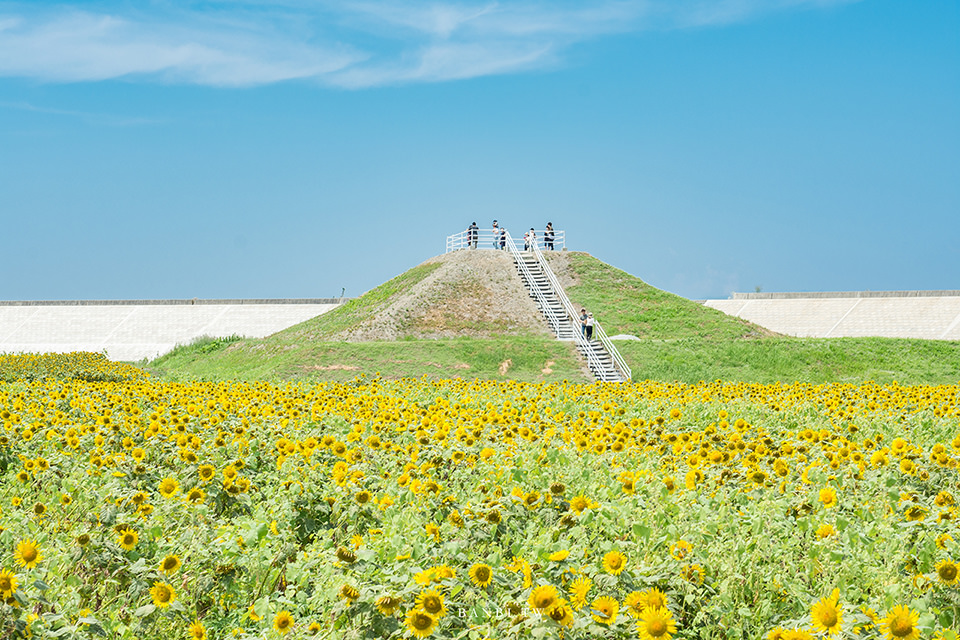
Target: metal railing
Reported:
point(491, 239)
point(593, 360)
point(553, 319)
point(598, 331)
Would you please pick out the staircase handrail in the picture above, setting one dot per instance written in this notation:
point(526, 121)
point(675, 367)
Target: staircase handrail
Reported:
point(601, 335)
point(552, 317)
point(593, 360)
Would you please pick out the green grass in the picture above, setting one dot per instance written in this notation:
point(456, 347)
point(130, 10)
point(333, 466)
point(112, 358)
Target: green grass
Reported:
point(814, 360)
point(354, 312)
point(623, 303)
point(273, 359)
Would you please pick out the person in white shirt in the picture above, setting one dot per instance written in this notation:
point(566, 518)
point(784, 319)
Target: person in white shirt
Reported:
point(529, 238)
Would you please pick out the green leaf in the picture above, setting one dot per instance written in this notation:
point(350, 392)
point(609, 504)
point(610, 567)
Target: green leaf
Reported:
point(40, 584)
point(145, 610)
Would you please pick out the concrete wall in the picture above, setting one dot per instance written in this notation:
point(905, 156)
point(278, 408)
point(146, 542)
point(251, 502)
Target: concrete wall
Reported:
point(931, 315)
point(137, 329)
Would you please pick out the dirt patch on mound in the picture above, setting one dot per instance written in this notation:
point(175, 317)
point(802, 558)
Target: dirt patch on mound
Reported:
point(331, 367)
point(559, 262)
point(472, 293)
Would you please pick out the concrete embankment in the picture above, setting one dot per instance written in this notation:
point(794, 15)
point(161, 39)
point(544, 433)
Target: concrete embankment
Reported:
point(135, 329)
point(930, 315)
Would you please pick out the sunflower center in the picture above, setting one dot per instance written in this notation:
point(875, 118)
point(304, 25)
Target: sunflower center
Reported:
point(901, 626)
point(948, 573)
point(432, 604)
point(828, 618)
point(656, 628)
point(422, 621)
point(5, 584)
point(29, 554)
point(483, 574)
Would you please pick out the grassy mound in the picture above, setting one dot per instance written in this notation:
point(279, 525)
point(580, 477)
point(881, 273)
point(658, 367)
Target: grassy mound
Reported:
point(679, 339)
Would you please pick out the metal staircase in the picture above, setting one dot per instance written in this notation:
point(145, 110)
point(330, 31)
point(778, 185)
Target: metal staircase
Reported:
point(605, 362)
point(603, 359)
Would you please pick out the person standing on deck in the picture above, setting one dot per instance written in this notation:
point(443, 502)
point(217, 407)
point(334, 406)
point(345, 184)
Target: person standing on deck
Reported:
point(548, 236)
point(473, 235)
point(496, 235)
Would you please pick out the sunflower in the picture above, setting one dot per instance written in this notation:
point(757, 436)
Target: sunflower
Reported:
point(656, 624)
point(604, 610)
point(614, 562)
point(197, 631)
point(901, 624)
point(349, 593)
point(653, 598)
point(8, 584)
point(196, 495)
point(825, 531)
point(420, 623)
point(542, 598)
point(168, 487)
point(947, 572)
point(170, 564)
point(206, 472)
point(827, 614)
point(561, 613)
point(828, 496)
point(387, 604)
point(481, 575)
point(127, 538)
point(694, 573)
point(559, 556)
point(27, 554)
point(680, 549)
point(579, 589)
point(431, 601)
point(634, 603)
point(363, 497)
point(162, 594)
point(283, 622)
point(581, 502)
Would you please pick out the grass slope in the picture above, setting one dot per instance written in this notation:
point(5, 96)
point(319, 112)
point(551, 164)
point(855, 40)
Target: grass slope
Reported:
point(354, 312)
point(625, 304)
point(530, 359)
point(814, 360)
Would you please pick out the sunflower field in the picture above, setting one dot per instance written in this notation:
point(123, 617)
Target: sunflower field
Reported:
point(132, 507)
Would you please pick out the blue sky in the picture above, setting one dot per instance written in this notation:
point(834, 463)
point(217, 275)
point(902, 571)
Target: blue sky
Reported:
point(294, 148)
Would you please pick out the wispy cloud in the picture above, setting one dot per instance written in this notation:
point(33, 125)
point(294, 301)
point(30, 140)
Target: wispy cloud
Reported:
point(107, 119)
point(237, 43)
